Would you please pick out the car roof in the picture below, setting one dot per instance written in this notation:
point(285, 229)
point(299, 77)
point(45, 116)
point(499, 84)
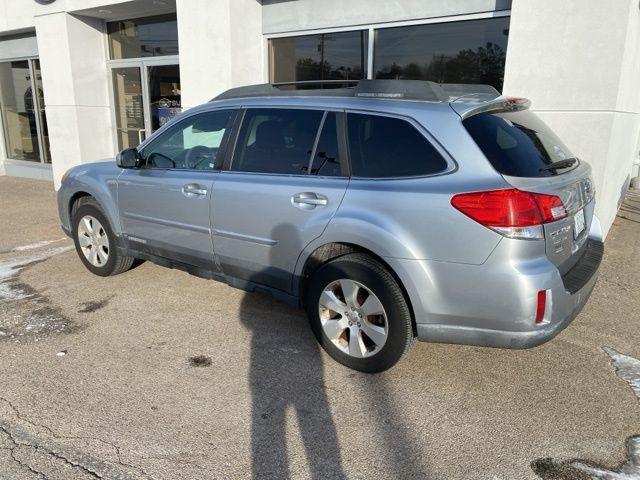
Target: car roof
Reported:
point(393, 96)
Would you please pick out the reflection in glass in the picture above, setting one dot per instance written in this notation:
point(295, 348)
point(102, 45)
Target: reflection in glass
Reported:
point(143, 37)
point(127, 93)
point(164, 94)
point(331, 56)
point(18, 111)
point(41, 110)
point(471, 51)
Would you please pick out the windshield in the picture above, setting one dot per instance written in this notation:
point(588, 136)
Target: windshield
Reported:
point(519, 144)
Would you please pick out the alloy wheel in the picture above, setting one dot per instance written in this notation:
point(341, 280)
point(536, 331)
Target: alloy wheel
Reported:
point(93, 241)
point(353, 318)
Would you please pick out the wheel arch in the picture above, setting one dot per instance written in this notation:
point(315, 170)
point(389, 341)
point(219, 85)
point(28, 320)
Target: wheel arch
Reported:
point(332, 250)
point(75, 201)
point(105, 202)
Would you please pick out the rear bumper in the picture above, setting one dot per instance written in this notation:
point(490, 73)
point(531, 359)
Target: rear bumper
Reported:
point(494, 304)
point(501, 338)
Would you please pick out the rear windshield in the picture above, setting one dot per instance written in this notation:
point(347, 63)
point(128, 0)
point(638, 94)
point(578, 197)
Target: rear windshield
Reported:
point(518, 144)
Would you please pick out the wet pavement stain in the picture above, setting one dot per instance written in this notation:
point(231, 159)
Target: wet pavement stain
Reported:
point(26, 314)
point(628, 369)
point(200, 361)
point(94, 305)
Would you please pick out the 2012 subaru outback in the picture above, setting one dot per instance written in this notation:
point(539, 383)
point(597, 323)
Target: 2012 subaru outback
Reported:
point(390, 211)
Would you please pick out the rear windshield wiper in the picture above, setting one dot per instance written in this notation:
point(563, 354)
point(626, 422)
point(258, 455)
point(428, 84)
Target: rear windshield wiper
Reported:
point(567, 162)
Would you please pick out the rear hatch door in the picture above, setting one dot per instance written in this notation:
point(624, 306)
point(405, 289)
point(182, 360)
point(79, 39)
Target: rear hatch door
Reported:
point(530, 157)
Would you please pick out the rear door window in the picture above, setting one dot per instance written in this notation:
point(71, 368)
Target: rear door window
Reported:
point(275, 140)
point(386, 147)
point(519, 144)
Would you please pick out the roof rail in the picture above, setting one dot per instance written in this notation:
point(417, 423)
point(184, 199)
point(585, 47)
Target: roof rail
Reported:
point(276, 90)
point(500, 104)
point(389, 89)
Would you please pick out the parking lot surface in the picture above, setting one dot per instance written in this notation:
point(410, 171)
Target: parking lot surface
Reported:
point(158, 374)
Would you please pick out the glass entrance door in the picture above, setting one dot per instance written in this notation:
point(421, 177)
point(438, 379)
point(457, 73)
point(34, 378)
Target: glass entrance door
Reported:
point(127, 94)
point(146, 96)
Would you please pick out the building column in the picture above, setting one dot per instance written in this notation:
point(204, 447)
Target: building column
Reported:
point(580, 66)
point(221, 46)
point(73, 58)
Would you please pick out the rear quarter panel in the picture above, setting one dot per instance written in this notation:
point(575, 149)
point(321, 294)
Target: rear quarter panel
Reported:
point(412, 218)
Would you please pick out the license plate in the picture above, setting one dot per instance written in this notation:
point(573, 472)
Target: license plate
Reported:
point(578, 223)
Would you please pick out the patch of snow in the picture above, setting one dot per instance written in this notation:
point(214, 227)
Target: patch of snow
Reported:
point(9, 268)
point(627, 368)
point(33, 246)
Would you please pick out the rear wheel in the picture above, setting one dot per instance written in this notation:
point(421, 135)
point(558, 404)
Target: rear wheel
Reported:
point(359, 314)
point(95, 241)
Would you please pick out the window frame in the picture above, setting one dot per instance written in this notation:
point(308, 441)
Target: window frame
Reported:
point(452, 165)
point(342, 147)
point(174, 125)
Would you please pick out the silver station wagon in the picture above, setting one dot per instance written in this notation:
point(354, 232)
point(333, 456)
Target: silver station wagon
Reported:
point(391, 211)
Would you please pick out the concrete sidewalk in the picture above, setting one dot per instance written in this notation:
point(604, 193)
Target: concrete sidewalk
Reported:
point(157, 374)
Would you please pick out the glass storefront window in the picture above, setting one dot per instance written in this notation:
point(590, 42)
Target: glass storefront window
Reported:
point(337, 57)
point(143, 37)
point(164, 94)
point(22, 109)
point(471, 51)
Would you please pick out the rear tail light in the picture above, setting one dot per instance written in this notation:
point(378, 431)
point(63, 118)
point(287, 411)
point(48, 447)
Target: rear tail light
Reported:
point(512, 213)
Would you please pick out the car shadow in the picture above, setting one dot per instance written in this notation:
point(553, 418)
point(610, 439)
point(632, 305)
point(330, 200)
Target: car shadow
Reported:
point(287, 373)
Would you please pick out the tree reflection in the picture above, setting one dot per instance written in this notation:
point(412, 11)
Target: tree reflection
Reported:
point(484, 65)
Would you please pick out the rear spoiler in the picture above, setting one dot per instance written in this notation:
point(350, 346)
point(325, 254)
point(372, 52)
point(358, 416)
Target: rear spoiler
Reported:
point(500, 104)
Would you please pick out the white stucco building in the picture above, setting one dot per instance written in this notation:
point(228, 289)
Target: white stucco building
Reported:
point(81, 79)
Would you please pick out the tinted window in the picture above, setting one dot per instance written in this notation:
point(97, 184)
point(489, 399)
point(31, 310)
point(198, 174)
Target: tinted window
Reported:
point(389, 147)
point(518, 143)
point(191, 144)
point(276, 140)
point(472, 51)
point(143, 37)
point(327, 159)
point(329, 56)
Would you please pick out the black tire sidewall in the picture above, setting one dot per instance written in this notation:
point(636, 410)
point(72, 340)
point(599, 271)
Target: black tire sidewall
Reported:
point(384, 286)
point(91, 209)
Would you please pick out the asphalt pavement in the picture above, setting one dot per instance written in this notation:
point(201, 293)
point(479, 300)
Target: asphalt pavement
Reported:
point(155, 374)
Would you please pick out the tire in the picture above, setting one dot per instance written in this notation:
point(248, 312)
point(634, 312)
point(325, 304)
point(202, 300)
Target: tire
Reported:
point(112, 262)
point(367, 277)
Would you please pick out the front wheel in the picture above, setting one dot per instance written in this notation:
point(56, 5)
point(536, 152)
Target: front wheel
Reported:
point(96, 243)
point(359, 314)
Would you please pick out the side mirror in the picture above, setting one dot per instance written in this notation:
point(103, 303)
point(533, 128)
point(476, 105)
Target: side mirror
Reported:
point(128, 158)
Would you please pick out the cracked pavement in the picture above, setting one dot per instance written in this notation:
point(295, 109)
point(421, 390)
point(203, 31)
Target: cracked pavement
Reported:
point(128, 400)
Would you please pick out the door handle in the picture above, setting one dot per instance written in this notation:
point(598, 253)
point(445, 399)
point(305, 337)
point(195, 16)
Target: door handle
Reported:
point(193, 190)
point(140, 132)
point(309, 200)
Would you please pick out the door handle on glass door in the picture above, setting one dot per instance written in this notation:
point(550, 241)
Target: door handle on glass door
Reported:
point(140, 135)
point(194, 190)
point(309, 200)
